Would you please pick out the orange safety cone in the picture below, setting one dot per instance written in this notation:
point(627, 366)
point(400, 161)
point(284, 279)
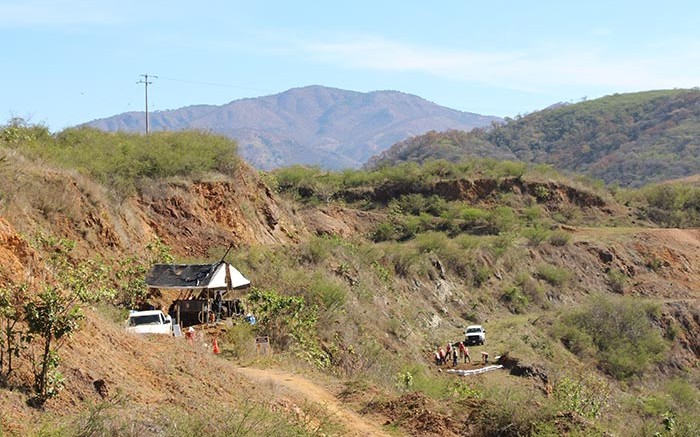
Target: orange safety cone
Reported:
point(215, 346)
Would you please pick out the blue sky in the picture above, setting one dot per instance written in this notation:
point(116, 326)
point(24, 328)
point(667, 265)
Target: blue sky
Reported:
point(65, 62)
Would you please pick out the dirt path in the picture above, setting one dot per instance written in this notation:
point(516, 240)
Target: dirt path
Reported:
point(302, 389)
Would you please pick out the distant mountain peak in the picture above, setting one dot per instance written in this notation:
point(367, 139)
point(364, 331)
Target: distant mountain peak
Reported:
point(313, 124)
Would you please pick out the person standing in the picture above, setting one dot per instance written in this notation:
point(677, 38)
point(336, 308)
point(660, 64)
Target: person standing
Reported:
point(454, 357)
point(466, 355)
point(218, 302)
point(461, 349)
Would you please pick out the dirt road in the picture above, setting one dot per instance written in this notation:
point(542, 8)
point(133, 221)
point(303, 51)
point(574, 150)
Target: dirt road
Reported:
point(303, 390)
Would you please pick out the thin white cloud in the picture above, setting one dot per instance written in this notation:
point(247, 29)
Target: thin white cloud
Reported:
point(535, 70)
point(58, 13)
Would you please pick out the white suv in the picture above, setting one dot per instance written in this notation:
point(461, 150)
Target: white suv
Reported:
point(149, 322)
point(475, 334)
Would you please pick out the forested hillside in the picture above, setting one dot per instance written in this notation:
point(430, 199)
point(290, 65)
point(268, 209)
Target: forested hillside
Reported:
point(625, 139)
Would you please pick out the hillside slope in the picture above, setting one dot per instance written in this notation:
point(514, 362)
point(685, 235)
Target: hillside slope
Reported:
point(315, 125)
point(130, 385)
point(190, 218)
point(628, 139)
point(381, 272)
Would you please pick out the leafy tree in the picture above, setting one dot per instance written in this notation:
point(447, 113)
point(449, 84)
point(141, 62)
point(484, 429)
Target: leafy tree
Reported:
point(12, 339)
point(288, 321)
point(586, 396)
point(50, 318)
point(90, 280)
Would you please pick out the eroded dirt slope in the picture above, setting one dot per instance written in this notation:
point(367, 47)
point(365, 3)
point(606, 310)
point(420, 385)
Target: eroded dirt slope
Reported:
point(191, 218)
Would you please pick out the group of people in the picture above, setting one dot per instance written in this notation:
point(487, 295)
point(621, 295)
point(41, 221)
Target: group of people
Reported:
point(454, 353)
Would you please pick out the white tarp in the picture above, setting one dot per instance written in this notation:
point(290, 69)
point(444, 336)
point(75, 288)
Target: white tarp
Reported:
point(219, 278)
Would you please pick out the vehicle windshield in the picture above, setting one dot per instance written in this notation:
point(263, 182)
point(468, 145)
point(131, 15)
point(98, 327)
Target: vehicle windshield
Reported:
point(151, 319)
point(474, 330)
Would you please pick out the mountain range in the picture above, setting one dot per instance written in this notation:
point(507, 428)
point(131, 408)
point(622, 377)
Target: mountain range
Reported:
point(314, 125)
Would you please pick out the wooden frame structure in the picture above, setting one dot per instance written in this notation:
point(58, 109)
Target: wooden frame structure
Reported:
point(206, 292)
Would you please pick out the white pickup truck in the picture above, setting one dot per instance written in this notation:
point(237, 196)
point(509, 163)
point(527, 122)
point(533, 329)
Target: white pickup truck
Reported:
point(149, 322)
point(475, 334)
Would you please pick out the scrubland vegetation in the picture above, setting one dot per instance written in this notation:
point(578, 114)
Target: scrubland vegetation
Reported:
point(624, 139)
point(123, 161)
point(493, 235)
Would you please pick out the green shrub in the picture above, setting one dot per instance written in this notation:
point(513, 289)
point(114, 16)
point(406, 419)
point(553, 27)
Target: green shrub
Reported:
point(468, 242)
point(404, 381)
point(542, 193)
point(404, 261)
point(283, 318)
point(559, 238)
point(585, 396)
point(474, 220)
point(416, 204)
point(448, 252)
point(535, 236)
point(461, 388)
point(512, 168)
point(123, 161)
point(432, 242)
point(480, 274)
point(654, 264)
point(501, 219)
point(617, 280)
point(554, 275)
point(576, 340)
point(299, 180)
point(671, 205)
point(530, 288)
point(385, 231)
point(684, 394)
point(515, 299)
point(326, 292)
point(238, 341)
point(408, 227)
point(513, 412)
point(532, 214)
point(502, 243)
point(19, 134)
point(316, 250)
point(621, 332)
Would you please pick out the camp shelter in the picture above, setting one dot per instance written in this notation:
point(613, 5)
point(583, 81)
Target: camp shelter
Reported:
point(199, 288)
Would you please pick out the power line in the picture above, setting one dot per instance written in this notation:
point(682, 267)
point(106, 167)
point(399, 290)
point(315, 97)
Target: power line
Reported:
point(144, 80)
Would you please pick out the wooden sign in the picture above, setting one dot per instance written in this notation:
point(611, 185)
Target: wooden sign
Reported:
point(262, 345)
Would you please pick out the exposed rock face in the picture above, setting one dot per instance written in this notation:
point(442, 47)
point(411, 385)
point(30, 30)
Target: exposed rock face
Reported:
point(191, 218)
point(18, 261)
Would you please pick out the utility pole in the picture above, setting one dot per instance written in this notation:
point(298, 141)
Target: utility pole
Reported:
point(145, 82)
